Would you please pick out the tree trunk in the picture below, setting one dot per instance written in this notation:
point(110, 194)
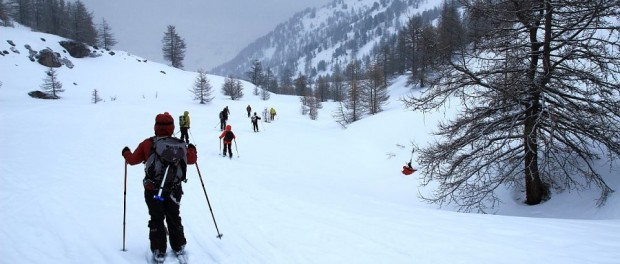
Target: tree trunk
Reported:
point(535, 190)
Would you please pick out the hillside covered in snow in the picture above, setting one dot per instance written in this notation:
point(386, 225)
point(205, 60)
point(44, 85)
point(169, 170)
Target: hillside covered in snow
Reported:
point(298, 191)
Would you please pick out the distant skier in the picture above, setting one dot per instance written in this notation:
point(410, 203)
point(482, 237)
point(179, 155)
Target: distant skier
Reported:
point(228, 137)
point(224, 117)
point(184, 124)
point(408, 169)
point(272, 112)
point(255, 119)
point(266, 115)
point(249, 109)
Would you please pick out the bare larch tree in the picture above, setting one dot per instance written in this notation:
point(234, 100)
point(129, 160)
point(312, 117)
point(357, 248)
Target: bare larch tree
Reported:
point(539, 98)
point(51, 85)
point(106, 38)
point(202, 89)
point(233, 88)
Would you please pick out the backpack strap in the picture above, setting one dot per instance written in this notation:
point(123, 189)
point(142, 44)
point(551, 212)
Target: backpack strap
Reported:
point(152, 145)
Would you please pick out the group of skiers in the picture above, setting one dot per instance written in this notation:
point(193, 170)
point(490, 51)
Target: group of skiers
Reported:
point(163, 202)
point(253, 118)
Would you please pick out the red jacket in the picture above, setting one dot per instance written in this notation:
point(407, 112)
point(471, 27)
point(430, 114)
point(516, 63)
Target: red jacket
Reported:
point(407, 170)
point(144, 150)
point(228, 128)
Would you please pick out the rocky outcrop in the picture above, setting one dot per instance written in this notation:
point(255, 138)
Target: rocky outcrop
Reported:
point(49, 58)
point(75, 49)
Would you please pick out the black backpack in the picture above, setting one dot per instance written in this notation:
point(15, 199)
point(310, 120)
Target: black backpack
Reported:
point(229, 136)
point(168, 155)
point(182, 122)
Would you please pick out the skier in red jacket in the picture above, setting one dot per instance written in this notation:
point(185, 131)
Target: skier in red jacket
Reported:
point(228, 136)
point(168, 209)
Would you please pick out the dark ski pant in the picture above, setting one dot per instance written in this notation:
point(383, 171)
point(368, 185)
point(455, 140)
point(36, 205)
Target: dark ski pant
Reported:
point(229, 147)
point(222, 124)
point(167, 210)
point(184, 135)
point(255, 124)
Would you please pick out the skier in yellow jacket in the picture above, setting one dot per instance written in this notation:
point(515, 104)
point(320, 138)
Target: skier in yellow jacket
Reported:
point(184, 124)
point(272, 111)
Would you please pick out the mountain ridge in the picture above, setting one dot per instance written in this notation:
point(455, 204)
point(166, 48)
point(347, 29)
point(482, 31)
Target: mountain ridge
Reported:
point(313, 41)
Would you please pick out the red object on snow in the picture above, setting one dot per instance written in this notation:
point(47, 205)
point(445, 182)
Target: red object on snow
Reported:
point(407, 170)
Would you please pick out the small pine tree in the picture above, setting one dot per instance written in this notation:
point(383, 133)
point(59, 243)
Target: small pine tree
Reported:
point(322, 91)
point(232, 88)
point(264, 94)
point(310, 105)
point(51, 86)
point(304, 105)
point(106, 38)
point(341, 115)
point(376, 94)
point(238, 92)
point(96, 98)
point(270, 84)
point(256, 75)
point(314, 105)
point(202, 89)
point(352, 107)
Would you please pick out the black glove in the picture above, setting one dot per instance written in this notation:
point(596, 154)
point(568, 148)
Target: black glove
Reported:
point(191, 146)
point(125, 149)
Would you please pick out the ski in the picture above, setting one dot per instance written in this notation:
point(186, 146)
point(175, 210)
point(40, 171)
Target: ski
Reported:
point(150, 258)
point(182, 258)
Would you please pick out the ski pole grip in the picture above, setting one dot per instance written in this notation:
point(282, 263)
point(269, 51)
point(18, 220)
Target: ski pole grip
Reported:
point(158, 196)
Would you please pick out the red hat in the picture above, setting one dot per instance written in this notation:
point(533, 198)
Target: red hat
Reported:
point(164, 125)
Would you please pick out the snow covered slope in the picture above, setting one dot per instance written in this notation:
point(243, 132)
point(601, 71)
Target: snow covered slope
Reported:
point(299, 191)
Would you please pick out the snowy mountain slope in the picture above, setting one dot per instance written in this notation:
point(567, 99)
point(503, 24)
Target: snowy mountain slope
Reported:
point(328, 35)
point(299, 191)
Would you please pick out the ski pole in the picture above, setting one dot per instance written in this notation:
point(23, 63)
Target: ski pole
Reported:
point(161, 188)
point(411, 159)
point(236, 147)
point(124, 205)
point(219, 235)
point(190, 133)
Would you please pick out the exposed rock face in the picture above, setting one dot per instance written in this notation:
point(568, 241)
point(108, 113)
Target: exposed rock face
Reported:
point(40, 95)
point(49, 58)
point(75, 49)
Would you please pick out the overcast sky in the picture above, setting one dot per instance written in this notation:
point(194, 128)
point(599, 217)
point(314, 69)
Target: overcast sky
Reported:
point(214, 30)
